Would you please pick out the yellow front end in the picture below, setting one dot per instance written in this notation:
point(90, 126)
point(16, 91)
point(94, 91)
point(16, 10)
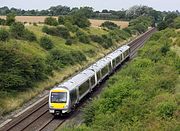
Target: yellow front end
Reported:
point(58, 101)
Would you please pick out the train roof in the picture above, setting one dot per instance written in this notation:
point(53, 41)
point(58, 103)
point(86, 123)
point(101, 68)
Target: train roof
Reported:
point(77, 80)
point(99, 64)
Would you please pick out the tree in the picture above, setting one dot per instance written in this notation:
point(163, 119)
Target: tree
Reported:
point(17, 30)
point(10, 19)
point(109, 25)
point(51, 21)
point(163, 25)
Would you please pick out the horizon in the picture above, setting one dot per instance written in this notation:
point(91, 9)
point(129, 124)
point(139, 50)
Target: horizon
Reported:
point(159, 5)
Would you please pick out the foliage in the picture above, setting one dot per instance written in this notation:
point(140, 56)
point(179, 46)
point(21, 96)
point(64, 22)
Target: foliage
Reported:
point(51, 21)
point(57, 31)
point(46, 43)
point(2, 22)
point(177, 22)
point(109, 25)
point(140, 24)
point(10, 19)
point(96, 38)
point(69, 41)
point(18, 31)
point(18, 70)
point(59, 58)
point(84, 38)
point(4, 35)
point(28, 35)
point(163, 25)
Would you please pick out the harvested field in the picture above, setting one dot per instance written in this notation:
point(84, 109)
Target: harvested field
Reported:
point(40, 19)
point(97, 23)
point(29, 19)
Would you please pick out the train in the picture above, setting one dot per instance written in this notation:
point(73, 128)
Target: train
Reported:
point(65, 96)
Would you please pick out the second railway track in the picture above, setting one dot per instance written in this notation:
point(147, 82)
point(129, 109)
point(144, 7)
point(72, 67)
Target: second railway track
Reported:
point(38, 118)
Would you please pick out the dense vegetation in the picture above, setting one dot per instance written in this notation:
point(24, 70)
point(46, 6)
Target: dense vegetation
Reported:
point(144, 94)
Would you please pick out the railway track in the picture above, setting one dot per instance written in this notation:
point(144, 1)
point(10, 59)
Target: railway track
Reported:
point(37, 118)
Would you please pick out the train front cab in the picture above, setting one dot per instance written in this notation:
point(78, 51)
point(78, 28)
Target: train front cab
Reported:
point(59, 101)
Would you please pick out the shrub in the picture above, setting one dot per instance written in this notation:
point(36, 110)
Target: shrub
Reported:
point(34, 24)
point(60, 58)
point(83, 37)
point(28, 35)
point(2, 22)
point(10, 19)
point(69, 41)
point(46, 43)
point(18, 70)
point(4, 35)
point(57, 31)
point(109, 25)
point(17, 30)
point(163, 25)
point(63, 32)
point(166, 109)
point(61, 20)
point(107, 42)
point(165, 48)
point(96, 38)
point(51, 21)
point(72, 28)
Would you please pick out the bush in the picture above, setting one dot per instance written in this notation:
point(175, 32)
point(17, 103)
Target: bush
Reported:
point(57, 31)
point(69, 41)
point(166, 109)
point(19, 71)
point(10, 19)
point(51, 21)
point(96, 38)
point(4, 35)
point(163, 25)
point(107, 42)
point(61, 20)
point(35, 24)
point(109, 25)
point(63, 32)
point(17, 30)
point(46, 43)
point(83, 37)
point(60, 59)
point(28, 35)
point(2, 22)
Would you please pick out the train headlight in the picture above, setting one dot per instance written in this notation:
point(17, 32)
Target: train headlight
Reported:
point(66, 106)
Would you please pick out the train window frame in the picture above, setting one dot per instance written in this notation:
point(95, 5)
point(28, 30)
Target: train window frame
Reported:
point(98, 75)
point(84, 87)
point(105, 70)
point(93, 81)
point(114, 62)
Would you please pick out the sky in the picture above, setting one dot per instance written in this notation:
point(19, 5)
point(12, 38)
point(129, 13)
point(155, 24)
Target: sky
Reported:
point(162, 5)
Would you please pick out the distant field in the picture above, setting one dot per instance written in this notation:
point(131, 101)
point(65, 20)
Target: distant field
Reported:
point(97, 23)
point(40, 19)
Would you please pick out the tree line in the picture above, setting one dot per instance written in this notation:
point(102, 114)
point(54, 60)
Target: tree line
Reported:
point(122, 14)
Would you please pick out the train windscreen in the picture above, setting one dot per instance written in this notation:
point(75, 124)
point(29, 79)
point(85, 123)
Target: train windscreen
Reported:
point(58, 97)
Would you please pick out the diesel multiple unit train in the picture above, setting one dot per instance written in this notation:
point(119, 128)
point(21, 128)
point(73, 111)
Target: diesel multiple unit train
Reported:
point(65, 96)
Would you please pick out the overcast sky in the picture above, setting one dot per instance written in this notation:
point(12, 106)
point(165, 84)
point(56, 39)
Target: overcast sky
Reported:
point(96, 4)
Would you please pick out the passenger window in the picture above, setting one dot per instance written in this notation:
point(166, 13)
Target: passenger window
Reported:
point(98, 75)
point(83, 88)
point(92, 80)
